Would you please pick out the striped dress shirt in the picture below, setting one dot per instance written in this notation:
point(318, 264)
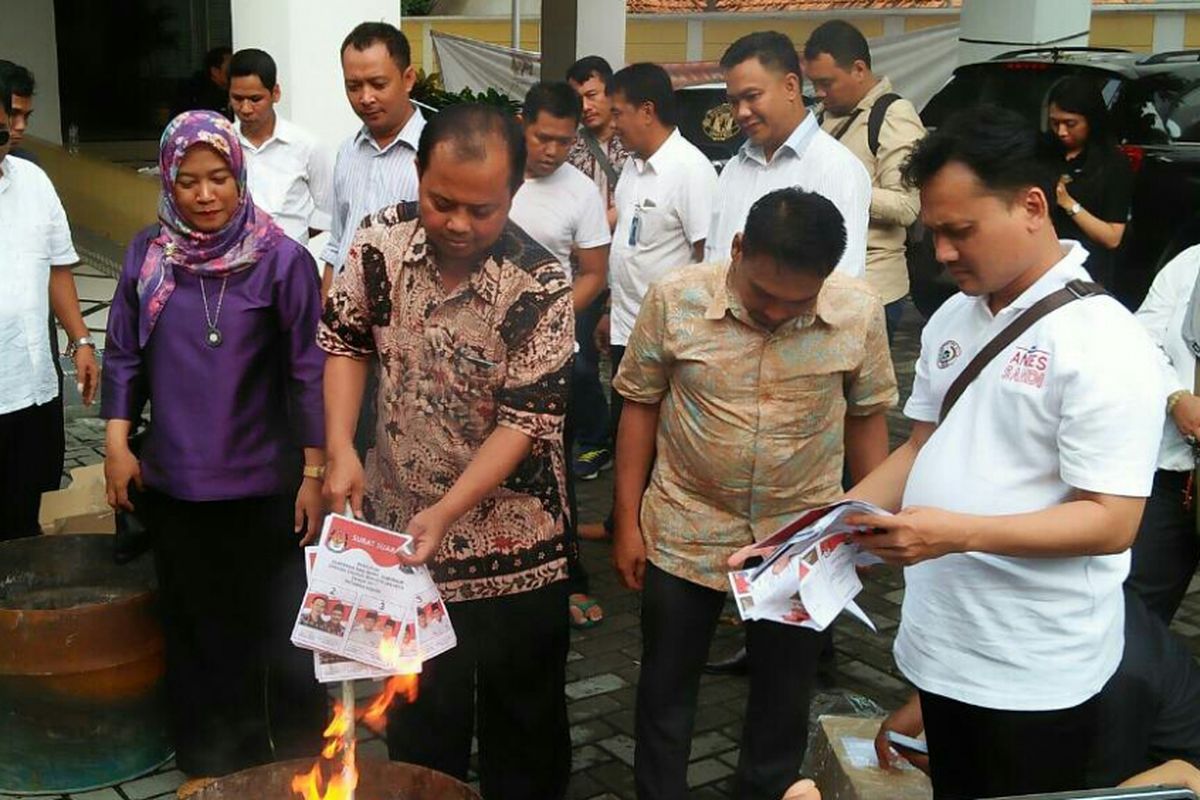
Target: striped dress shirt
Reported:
point(367, 178)
point(811, 160)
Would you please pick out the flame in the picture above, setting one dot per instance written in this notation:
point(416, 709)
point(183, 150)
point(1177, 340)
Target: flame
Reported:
point(375, 715)
point(310, 785)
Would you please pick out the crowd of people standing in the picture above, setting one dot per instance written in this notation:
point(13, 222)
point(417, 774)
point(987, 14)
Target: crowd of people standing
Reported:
point(438, 374)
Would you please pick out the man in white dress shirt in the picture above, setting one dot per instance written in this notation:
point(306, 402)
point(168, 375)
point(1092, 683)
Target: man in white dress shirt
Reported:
point(38, 256)
point(289, 173)
point(784, 147)
point(376, 167)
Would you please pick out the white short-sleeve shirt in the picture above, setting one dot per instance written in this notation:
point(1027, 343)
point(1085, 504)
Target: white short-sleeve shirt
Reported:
point(811, 160)
point(1074, 403)
point(562, 211)
point(664, 206)
point(290, 176)
point(34, 236)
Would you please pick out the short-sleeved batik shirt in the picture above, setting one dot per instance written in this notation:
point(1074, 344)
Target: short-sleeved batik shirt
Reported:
point(751, 421)
point(496, 350)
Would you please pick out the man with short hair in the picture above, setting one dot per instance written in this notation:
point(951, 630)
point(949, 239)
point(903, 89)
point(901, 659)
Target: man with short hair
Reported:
point(558, 206)
point(374, 167)
point(287, 170)
point(599, 154)
point(784, 147)
point(208, 88)
point(742, 379)
point(470, 322)
point(21, 87)
point(861, 111)
point(1016, 505)
point(37, 252)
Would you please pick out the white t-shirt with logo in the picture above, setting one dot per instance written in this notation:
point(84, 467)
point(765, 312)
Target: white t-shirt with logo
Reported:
point(561, 211)
point(1074, 403)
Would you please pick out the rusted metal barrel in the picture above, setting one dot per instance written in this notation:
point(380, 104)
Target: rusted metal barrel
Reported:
point(377, 780)
point(82, 699)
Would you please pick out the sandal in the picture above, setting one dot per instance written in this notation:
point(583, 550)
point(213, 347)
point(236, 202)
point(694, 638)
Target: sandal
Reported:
point(584, 604)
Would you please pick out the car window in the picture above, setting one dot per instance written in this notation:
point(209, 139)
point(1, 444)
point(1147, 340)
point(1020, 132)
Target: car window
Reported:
point(1183, 116)
point(1140, 113)
point(1017, 85)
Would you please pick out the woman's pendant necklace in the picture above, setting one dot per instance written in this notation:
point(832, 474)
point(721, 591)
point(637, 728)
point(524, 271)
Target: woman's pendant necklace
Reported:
point(213, 338)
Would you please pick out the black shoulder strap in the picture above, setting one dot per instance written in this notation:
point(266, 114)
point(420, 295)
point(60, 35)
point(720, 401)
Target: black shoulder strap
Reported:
point(594, 147)
point(845, 126)
point(875, 121)
point(1075, 290)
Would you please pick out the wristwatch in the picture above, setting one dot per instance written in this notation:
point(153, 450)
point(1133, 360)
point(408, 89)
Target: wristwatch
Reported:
point(1174, 397)
point(314, 471)
point(83, 341)
point(1074, 209)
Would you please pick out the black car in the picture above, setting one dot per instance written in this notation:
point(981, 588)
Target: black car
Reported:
point(1155, 106)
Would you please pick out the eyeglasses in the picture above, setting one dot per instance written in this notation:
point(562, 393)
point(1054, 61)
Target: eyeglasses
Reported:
point(4, 137)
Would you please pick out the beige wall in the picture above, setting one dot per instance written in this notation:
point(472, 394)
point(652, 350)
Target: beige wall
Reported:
point(652, 40)
point(923, 21)
point(1130, 31)
point(720, 33)
point(1191, 30)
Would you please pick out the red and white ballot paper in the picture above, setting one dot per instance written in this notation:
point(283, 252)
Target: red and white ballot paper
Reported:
point(810, 574)
point(365, 614)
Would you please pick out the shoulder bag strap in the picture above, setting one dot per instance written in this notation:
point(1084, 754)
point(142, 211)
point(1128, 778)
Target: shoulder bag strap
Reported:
point(1075, 290)
point(875, 121)
point(597, 151)
point(845, 126)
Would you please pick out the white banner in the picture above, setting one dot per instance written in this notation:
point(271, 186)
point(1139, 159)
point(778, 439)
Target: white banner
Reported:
point(472, 64)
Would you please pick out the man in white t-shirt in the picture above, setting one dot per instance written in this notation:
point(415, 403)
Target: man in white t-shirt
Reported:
point(289, 173)
point(784, 146)
point(560, 208)
point(1017, 509)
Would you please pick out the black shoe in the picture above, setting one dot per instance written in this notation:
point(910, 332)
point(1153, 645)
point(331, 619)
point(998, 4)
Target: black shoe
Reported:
point(736, 664)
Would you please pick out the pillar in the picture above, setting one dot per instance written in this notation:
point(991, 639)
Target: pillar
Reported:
point(572, 29)
point(989, 28)
point(305, 38)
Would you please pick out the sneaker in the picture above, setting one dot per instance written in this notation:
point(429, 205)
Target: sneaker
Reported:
point(591, 462)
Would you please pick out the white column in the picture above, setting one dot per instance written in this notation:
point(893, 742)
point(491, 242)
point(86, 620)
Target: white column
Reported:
point(1168, 31)
point(27, 37)
point(305, 38)
point(695, 40)
point(600, 30)
point(989, 27)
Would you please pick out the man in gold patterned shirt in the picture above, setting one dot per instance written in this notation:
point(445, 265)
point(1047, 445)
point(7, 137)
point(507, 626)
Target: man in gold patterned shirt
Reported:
point(745, 384)
point(472, 325)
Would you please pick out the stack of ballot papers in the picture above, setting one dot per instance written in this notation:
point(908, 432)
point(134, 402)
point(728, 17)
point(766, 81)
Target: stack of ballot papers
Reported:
point(810, 573)
point(365, 614)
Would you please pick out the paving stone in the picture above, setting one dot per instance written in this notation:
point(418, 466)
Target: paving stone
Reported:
point(591, 707)
point(101, 794)
point(620, 746)
point(144, 788)
point(707, 771)
point(597, 684)
point(709, 744)
point(588, 756)
point(588, 732)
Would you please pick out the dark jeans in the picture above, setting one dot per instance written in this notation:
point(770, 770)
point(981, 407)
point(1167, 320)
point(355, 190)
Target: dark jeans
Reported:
point(509, 668)
point(31, 458)
point(979, 752)
point(577, 577)
point(1167, 548)
point(590, 406)
point(678, 620)
point(893, 312)
point(615, 353)
point(230, 578)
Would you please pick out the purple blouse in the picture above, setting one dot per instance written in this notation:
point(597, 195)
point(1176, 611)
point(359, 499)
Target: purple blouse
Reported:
point(229, 421)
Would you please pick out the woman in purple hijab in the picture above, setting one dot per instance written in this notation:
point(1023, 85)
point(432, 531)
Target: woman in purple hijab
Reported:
point(214, 325)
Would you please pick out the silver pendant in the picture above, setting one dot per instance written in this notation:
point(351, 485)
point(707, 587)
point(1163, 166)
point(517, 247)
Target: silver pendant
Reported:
point(213, 338)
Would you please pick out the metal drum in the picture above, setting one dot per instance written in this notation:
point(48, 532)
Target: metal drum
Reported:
point(377, 780)
point(82, 700)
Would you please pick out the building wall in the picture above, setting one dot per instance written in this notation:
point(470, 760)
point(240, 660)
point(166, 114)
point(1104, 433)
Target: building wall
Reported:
point(27, 37)
point(1191, 30)
point(722, 32)
point(655, 40)
point(1129, 31)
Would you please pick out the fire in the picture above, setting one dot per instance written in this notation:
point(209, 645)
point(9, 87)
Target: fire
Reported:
point(404, 685)
point(310, 785)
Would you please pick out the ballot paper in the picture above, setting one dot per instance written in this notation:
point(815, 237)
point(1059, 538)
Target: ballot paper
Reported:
point(810, 574)
point(330, 667)
point(365, 605)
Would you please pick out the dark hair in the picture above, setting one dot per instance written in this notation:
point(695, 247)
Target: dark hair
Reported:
point(366, 34)
point(371, 615)
point(556, 99)
point(467, 126)
point(586, 67)
point(773, 49)
point(1006, 152)
point(647, 83)
point(1080, 95)
point(258, 63)
point(841, 40)
point(798, 230)
point(215, 57)
point(18, 78)
point(6, 95)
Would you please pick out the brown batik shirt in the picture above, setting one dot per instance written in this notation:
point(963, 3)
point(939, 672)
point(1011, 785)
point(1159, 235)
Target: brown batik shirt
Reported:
point(496, 350)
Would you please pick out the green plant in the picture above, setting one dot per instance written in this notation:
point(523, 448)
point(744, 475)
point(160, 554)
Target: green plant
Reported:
point(430, 91)
point(415, 8)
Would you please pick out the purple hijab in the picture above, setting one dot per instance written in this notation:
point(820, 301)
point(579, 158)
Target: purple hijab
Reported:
point(249, 234)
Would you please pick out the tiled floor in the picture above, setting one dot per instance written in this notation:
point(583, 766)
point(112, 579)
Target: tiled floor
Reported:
point(603, 663)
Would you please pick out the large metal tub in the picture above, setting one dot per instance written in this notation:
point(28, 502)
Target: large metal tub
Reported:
point(81, 666)
point(377, 780)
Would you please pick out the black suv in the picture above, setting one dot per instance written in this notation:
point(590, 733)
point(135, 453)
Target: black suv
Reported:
point(1155, 106)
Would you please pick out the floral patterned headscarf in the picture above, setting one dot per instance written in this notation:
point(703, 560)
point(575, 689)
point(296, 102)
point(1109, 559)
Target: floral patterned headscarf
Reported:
point(239, 245)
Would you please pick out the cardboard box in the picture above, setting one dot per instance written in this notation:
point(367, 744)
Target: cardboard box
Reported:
point(80, 508)
point(845, 766)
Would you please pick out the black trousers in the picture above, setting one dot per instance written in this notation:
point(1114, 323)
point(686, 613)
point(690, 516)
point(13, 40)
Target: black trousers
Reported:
point(979, 752)
point(31, 458)
point(231, 576)
point(509, 670)
point(577, 577)
point(616, 352)
point(1167, 548)
point(678, 620)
